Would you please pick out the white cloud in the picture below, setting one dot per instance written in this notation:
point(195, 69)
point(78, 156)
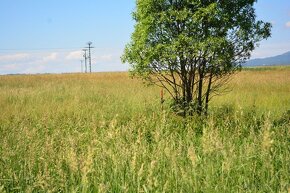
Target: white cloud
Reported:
point(75, 55)
point(34, 62)
point(34, 69)
point(59, 62)
point(104, 58)
point(273, 22)
point(287, 24)
point(14, 57)
point(268, 49)
point(50, 57)
point(9, 67)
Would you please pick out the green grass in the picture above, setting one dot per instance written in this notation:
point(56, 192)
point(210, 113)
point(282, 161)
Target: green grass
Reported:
point(105, 132)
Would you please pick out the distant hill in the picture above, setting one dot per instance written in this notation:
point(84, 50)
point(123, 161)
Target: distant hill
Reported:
point(279, 60)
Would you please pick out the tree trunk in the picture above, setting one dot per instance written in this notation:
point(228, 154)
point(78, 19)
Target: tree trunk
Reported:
point(199, 94)
point(208, 93)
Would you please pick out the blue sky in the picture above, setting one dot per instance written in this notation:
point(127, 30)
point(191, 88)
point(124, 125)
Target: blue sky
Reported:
point(46, 36)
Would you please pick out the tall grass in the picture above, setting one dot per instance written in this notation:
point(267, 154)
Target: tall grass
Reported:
point(106, 133)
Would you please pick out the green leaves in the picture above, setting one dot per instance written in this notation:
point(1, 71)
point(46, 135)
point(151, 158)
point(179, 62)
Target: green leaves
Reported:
point(188, 40)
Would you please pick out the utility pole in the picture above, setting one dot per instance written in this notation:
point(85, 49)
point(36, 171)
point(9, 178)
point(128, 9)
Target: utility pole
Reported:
point(86, 57)
point(90, 61)
point(82, 69)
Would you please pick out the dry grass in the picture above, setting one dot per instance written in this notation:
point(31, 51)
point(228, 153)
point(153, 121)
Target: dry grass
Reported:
point(266, 89)
point(106, 133)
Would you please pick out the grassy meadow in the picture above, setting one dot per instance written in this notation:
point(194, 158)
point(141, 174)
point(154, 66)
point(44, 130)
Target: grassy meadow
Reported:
point(106, 132)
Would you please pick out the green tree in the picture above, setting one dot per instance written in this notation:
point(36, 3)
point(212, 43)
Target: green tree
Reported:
point(191, 47)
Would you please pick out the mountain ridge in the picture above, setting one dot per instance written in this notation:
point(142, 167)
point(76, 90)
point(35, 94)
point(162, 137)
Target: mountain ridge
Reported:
point(279, 60)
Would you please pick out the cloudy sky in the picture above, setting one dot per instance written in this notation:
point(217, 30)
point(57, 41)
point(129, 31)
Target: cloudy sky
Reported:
point(47, 36)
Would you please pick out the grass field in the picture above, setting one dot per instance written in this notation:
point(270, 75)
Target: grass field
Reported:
point(106, 132)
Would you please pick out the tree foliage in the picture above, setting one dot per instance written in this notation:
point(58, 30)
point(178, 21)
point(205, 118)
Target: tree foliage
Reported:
point(191, 47)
